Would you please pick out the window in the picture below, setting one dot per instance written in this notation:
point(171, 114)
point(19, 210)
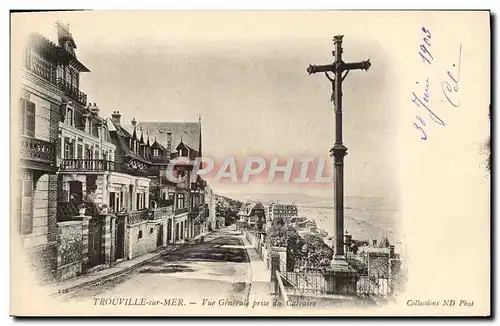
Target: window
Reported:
point(89, 126)
point(79, 151)
point(26, 204)
point(28, 117)
point(88, 152)
point(69, 148)
point(74, 79)
point(69, 117)
point(60, 72)
point(150, 230)
point(139, 236)
point(155, 152)
point(181, 200)
point(120, 200)
point(68, 75)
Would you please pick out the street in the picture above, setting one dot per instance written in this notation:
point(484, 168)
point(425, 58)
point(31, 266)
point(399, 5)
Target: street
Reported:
point(218, 268)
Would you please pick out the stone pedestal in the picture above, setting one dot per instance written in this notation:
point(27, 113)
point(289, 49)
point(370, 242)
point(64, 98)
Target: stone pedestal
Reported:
point(340, 277)
point(281, 252)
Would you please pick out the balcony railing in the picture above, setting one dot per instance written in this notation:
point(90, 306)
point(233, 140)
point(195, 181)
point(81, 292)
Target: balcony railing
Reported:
point(72, 91)
point(162, 211)
point(92, 165)
point(180, 211)
point(139, 216)
point(37, 150)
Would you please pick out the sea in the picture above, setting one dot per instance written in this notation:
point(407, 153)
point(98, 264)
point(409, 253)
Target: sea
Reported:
point(366, 218)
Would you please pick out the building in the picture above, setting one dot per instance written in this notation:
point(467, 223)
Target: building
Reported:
point(253, 213)
point(42, 91)
point(383, 267)
point(213, 221)
point(176, 141)
point(281, 210)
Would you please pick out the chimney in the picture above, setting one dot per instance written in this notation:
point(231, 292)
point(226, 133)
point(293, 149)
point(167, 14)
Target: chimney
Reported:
point(116, 118)
point(169, 144)
point(134, 122)
point(94, 109)
point(374, 243)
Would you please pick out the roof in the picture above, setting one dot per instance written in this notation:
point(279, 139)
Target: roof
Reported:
point(186, 132)
point(55, 52)
point(122, 134)
point(247, 208)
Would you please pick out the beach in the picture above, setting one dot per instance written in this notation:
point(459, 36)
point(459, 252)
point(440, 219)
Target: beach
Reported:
point(366, 218)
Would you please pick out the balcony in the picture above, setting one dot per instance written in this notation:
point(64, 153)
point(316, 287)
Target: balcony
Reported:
point(38, 151)
point(139, 216)
point(162, 211)
point(72, 91)
point(92, 165)
point(179, 211)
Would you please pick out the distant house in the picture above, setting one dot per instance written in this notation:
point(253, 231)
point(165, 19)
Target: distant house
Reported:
point(281, 210)
point(253, 213)
point(307, 227)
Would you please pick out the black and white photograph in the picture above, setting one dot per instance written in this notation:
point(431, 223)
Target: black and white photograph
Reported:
point(250, 163)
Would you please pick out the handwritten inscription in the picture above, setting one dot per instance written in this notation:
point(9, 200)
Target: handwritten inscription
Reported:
point(422, 98)
point(424, 52)
point(450, 85)
point(423, 101)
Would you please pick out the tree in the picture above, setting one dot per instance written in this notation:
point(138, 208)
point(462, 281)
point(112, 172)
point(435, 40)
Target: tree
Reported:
point(280, 235)
point(316, 252)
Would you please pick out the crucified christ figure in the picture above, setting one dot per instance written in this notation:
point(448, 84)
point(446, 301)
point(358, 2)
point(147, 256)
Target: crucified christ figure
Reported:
point(332, 80)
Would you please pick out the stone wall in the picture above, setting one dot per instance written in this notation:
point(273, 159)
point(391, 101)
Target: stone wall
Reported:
point(142, 237)
point(378, 265)
point(71, 248)
point(264, 251)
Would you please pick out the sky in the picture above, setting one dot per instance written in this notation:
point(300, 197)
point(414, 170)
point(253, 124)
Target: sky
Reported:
point(245, 75)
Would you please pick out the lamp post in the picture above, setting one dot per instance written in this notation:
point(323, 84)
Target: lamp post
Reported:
point(339, 151)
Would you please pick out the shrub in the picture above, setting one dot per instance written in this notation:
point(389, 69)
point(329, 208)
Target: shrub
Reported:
point(316, 251)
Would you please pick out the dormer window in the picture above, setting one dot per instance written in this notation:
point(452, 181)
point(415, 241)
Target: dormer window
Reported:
point(89, 126)
point(69, 117)
point(155, 152)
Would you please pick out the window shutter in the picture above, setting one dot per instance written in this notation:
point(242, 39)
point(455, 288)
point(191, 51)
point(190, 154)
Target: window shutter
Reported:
point(27, 207)
point(30, 119)
point(22, 105)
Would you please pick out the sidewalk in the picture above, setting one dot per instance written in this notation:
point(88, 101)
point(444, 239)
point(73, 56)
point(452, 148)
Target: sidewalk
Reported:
point(118, 269)
point(106, 274)
point(260, 276)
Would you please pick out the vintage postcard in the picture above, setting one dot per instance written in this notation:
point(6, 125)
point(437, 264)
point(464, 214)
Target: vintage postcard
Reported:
point(250, 163)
